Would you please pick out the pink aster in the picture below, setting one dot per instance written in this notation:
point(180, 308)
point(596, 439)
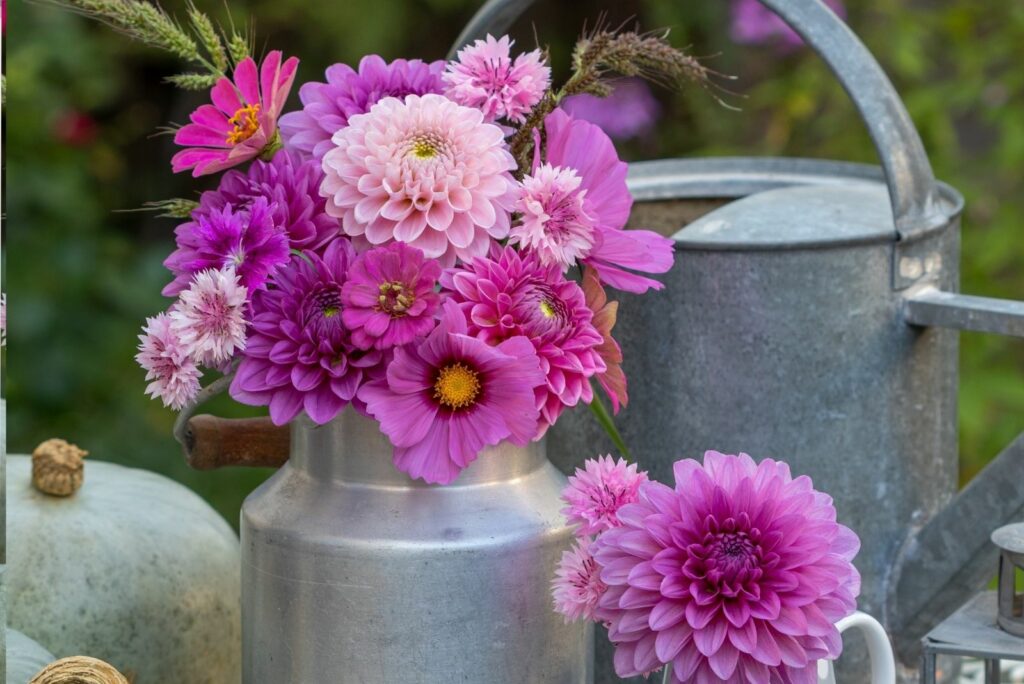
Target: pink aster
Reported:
point(486, 77)
point(209, 318)
point(617, 253)
point(424, 171)
point(737, 574)
point(389, 299)
point(241, 124)
point(173, 375)
point(597, 492)
point(298, 356)
point(555, 223)
point(512, 294)
point(577, 586)
point(448, 397)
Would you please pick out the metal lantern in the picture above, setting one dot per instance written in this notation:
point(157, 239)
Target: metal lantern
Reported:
point(1010, 540)
point(812, 316)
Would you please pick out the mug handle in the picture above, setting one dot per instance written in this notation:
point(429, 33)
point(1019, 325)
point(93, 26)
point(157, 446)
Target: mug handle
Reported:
point(883, 663)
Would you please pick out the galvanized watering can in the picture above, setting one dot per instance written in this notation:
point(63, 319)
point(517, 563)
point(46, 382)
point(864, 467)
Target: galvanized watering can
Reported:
point(813, 318)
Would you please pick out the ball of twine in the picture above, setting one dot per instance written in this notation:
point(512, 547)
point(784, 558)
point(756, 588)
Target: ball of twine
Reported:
point(57, 467)
point(79, 670)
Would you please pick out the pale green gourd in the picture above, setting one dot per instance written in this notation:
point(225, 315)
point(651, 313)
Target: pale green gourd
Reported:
point(132, 568)
point(25, 657)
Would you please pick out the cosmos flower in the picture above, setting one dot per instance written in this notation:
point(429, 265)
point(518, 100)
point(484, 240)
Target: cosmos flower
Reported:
point(241, 124)
point(327, 107)
point(737, 574)
point(596, 493)
point(209, 317)
point(424, 171)
point(577, 586)
point(173, 375)
point(554, 224)
point(485, 76)
point(451, 395)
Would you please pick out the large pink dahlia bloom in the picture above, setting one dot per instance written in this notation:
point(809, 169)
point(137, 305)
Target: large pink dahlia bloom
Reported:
point(450, 396)
point(298, 355)
point(616, 253)
point(424, 171)
point(736, 575)
point(486, 77)
point(511, 294)
point(242, 121)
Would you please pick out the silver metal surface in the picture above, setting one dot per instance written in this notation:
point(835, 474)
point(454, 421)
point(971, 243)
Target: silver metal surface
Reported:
point(1010, 542)
point(353, 573)
point(932, 307)
point(972, 631)
point(1010, 538)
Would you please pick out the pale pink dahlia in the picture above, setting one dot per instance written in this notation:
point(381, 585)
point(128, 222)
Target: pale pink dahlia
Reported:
point(736, 575)
point(597, 492)
point(424, 171)
point(577, 586)
point(242, 121)
point(448, 397)
point(511, 294)
point(485, 77)
point(298, 356)
point(389, 299)
point(209, 317)
point(616, 253)
point(555, 223)
point(173, 375)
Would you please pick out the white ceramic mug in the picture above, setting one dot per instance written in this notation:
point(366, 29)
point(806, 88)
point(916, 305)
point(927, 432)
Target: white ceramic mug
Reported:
point(883, 664)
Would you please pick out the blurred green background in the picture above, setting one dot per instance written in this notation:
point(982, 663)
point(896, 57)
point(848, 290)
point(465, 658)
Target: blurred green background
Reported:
point(84, 105)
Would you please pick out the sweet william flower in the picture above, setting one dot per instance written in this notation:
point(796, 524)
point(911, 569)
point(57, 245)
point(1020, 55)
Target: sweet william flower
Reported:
point(736, 574)
point(596, 493)
point(173, 376)
point(485, 76)
point(241, 124)
point(577, 586)
point(446, 398)
point(209, 317)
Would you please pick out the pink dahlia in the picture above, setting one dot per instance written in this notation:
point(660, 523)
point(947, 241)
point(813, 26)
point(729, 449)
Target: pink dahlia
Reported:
point(424, 171)
point(582, 146)
point(737, 574)
point(613, 380)
point(173, 375)
point(577, 586)
point(298, 355)
point(596, 493)
point(448, 397)
point(209, 318)
point(242, 121)
point(555, 224)
point(510, 295)
point(327, 107)
point(291, 188)
point(246, 240)
point(485, 77)
point(389, 299)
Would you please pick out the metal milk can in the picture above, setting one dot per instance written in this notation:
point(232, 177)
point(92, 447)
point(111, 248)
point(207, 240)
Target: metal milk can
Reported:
point(811, 316)
point(354, 573)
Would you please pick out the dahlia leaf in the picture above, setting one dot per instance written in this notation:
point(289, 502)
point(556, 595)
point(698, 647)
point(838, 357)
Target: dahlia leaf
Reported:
point(608, 423)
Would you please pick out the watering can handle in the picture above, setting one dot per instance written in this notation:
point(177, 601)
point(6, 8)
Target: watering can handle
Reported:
point(908, 173)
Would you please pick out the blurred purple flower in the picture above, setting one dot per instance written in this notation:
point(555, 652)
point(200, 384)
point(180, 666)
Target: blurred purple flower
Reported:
point(755, 24)
point(629, 112)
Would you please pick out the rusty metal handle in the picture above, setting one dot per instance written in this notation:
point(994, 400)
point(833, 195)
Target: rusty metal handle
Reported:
point(209, 442)
point(912, 188)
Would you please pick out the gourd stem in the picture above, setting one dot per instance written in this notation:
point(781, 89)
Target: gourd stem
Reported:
point(79, 670)
point(58, 467)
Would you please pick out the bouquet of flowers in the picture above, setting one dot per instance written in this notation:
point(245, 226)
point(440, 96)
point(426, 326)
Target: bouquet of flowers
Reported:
point(428, 242)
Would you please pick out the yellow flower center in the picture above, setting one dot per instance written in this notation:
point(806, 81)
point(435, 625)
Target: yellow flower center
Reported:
point(330, 311)
point(424, 148)
point(394, 299)
point(457, 386)
point(546, 309)
point(246, 122)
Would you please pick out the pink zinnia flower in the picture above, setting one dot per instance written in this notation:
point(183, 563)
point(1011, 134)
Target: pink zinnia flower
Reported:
point(242, 121)
point(485, 77)
point(555, 224)
point(424, 171)
point(511, 294)
point(209, 317)
point(327, 107)
point(173, 375)
point(577, 586)
point(298, 355)
point(737, 574)
point(450, 396)
point(597, 492)
point(582, 146)
point(613, 380)
point(389, 299)
point(246, 240)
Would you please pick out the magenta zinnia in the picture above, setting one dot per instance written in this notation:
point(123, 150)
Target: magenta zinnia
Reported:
point(597, 492)
point(242, 121)
point(327, 107)
point(577, 586)
point(424, 171)
point(209, 317)
point(448, 397)
point(389, 299)
point(737, 574)
point(173, 375)
point(486, 77)
point(298, 355)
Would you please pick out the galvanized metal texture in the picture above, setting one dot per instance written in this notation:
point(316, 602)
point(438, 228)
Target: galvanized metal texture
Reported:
point(932, 307)
point(972, 631)
point(1010, 542)
point(353, 573)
